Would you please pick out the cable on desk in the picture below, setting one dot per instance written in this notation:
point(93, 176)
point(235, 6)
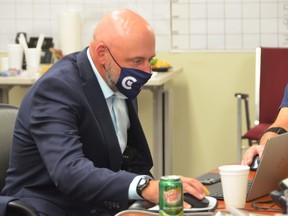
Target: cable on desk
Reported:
point(257, 206)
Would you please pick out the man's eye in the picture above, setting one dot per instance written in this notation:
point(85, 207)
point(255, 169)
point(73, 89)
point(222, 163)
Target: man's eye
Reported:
point(137, 61)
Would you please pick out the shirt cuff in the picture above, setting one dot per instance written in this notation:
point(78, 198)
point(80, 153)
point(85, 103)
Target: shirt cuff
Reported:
point(132, 193)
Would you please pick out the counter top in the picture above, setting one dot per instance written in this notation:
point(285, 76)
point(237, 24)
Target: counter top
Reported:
point(157, 79)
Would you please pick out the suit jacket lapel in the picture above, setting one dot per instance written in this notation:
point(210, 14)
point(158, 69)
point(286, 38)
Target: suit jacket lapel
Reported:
point(99, 107)
point(138, 132)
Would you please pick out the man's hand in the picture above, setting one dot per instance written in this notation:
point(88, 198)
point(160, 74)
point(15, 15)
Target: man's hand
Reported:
point(194, 187)
point(190, 185)
point(151, 192)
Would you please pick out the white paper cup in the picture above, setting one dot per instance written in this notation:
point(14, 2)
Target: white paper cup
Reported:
point(33, 57)
point(15, 56)
point(234, 180)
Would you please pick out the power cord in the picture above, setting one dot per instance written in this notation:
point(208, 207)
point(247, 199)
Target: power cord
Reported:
point(257, 205)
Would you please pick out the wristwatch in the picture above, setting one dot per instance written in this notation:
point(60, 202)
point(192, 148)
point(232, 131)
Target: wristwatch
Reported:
point(143, 183)
point(278, 130)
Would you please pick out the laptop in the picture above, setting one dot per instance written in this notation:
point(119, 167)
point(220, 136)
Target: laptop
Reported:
point(272, 169)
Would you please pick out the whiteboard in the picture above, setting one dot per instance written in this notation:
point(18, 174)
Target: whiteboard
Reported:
point(228, 24)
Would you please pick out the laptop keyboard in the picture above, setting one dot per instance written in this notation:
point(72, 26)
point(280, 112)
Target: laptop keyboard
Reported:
point(209, 178)
point(215, 189)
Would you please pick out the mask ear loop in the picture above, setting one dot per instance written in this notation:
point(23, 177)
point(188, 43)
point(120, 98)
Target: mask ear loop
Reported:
point(112, 81)
point(113, 57)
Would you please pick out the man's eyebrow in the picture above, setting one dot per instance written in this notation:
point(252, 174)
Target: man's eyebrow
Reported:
point(135, 58)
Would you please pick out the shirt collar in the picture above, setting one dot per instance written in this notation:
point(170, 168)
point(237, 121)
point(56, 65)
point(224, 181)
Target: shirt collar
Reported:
point(107, 91)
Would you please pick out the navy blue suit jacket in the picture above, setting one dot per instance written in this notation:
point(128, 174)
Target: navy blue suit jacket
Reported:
point(65, 154)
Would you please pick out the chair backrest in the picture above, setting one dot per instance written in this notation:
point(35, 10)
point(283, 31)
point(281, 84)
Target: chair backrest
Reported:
point(271, 79)
point(8, 115)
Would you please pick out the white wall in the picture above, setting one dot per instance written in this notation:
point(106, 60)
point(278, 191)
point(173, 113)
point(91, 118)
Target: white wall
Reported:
point(204, 125)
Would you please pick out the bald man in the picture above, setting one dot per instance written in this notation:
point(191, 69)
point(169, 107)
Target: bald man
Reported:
point(78, 146)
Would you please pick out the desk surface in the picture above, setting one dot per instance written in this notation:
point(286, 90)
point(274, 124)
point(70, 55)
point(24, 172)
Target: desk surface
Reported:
point(17, 80)
point(248, 208)
point(160, 78)
point(157, 79)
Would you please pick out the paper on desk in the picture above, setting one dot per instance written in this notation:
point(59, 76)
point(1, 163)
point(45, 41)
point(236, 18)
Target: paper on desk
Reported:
point(237, 212)
point(212, 205)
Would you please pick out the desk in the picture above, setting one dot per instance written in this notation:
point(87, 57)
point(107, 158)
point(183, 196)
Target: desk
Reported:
point(6, 83)
point(220, 207)
point(248, 207)
point(161, 113)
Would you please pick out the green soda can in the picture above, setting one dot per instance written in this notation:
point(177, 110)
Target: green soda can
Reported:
point(171, 196)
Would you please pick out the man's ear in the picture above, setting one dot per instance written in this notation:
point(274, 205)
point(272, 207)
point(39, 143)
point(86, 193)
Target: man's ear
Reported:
point(100, 53)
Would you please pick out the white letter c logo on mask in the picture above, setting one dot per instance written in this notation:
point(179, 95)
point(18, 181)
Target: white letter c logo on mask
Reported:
point(128, 81)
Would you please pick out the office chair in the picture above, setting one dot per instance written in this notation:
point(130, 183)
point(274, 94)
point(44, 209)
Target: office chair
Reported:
point(271, 79)
point(14, 207)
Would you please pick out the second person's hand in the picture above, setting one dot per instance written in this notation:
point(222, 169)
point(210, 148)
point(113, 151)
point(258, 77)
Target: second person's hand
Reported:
point(250, 153)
